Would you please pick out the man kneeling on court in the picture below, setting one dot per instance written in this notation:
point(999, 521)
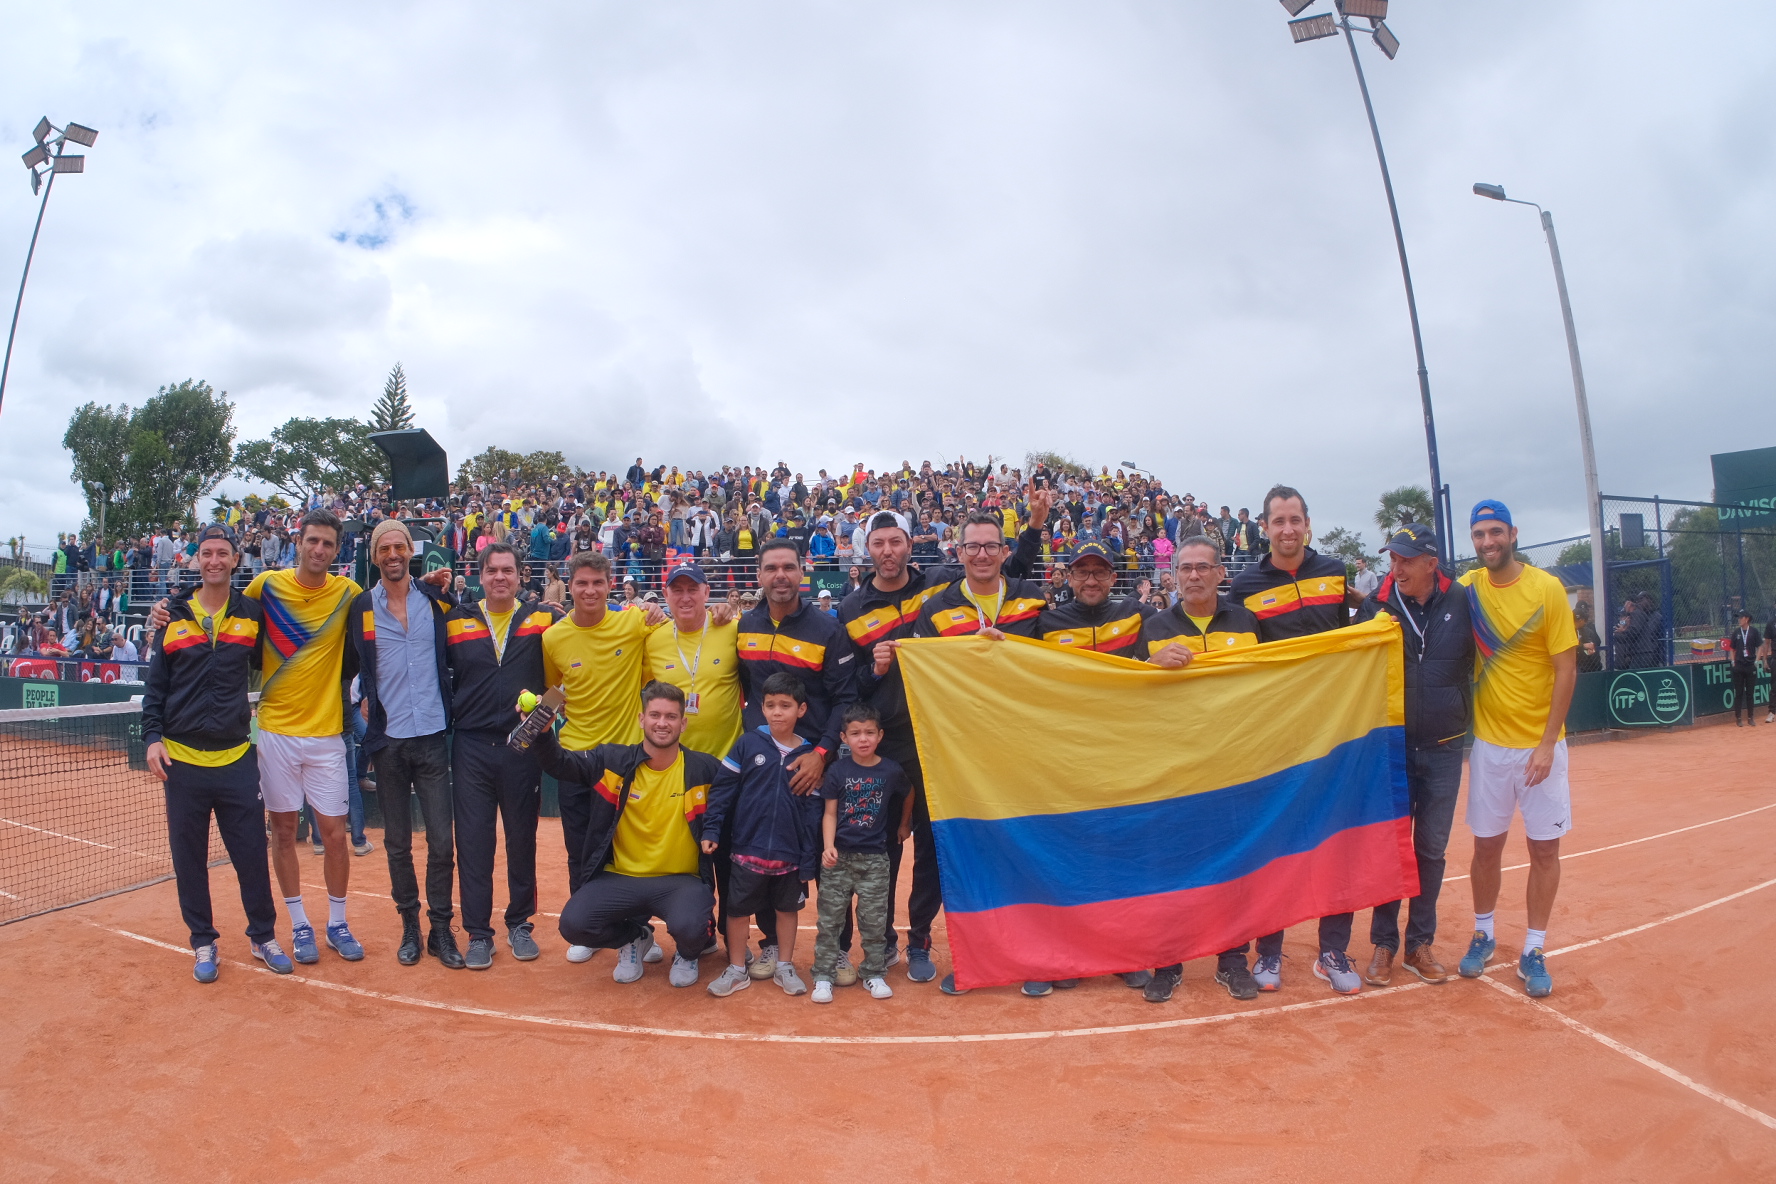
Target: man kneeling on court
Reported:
point(647, 810)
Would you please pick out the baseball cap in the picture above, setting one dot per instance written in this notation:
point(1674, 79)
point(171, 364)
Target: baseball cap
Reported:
point(687, 569)
point(824, 594)
point(1093, 551)
point(217, 530)
point(1490, 510)
point(899, 520)
point(1412, 540)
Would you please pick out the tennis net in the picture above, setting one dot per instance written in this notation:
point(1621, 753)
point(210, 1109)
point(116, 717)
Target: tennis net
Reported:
point(81, 816)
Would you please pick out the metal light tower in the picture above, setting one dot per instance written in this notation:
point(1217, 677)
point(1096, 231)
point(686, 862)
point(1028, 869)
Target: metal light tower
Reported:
point(47, 159)
point(1312, 28)
point(1599, 591)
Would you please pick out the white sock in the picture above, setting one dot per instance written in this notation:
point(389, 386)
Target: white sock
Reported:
point(1535, 939)
point(1483, 923)
point(335, 909)
point(298, 915)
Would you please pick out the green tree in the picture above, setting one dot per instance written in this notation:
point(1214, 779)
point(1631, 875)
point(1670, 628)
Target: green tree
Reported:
point(304, 456)
point(392, 412)
point(151, 464)
point(1056, 462)
point(500, 464)
point(1408, 503)
point(1347, 545)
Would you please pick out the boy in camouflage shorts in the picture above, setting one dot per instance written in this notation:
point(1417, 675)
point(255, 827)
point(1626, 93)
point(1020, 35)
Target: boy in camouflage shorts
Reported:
point(861, 792)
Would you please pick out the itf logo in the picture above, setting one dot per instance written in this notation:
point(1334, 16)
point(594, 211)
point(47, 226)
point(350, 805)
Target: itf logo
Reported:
point(1649, 698)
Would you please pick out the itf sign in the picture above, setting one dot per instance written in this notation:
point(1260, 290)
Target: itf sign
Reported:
point(1649, 699)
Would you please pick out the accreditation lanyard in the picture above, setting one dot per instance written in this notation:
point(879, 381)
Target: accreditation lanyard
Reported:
point(985, 622)
point(499, 637)
point(690, 664)
point(1406, 612)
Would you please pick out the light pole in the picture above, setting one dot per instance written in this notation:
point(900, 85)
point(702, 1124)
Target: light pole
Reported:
point(1599, 592)
point(47, 159)
point(1312, 28)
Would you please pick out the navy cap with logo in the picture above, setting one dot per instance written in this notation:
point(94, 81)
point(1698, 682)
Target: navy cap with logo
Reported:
point(1093, 551)
point(687, 569)
point(1413, 540)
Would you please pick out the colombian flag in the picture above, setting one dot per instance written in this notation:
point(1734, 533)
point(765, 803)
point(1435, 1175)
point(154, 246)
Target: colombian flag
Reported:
point(1095, 815)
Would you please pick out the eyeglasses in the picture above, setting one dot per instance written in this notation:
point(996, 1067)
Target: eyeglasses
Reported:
point(981, 548)
point(1197, 569)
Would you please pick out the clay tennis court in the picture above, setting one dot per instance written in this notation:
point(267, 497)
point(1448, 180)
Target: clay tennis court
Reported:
point(1655, 1059)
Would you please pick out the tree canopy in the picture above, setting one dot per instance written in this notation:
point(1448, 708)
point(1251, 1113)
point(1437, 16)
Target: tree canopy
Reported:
point(303, 456)
point(392, 412)
point(501, 464)
point(148, 466)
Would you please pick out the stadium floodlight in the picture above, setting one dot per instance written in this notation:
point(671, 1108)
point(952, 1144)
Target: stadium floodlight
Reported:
point(1294, 7)
point(1599, 570)
point(1312, 28)
point(1385, 40)
point(46, 161)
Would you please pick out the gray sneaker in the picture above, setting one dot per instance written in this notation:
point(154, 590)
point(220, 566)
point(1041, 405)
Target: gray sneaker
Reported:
point(630, 958)
point(1337, 971)
point(1268, 974)
point(480, 955)
point(732, 978)
point(684, 972)
point(785, 977)
point(654, 953)
point(524, 946)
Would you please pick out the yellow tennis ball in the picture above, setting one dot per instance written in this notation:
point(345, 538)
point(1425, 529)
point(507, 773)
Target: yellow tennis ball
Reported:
point(527, 702)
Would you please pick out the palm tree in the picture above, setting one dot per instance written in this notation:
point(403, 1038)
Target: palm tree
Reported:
point(1409, 503)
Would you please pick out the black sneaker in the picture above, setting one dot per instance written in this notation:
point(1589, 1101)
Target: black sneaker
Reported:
point(1237, 978)
point(409, 953)
point(1160, 987)
point(441, 944)
point(480, 955)
point(524, 946)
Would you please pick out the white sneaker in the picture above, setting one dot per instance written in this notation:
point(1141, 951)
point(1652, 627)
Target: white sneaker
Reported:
point(629, 959)
point(580, 953)
point(654, 952)
point(684, 971)
point(878, 987)
point(822, 991)
point(844, 974)
point(765, 965)
point(732, 978)
point(786, 977)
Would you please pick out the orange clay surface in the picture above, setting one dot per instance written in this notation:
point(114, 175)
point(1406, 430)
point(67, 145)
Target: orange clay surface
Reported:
point(115, 1064)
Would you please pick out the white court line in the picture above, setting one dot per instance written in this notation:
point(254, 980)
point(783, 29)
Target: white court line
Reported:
point(9, 896)
point(73, 839)
point(1517, 867)
point(966, 1038)
point(1659, 1067)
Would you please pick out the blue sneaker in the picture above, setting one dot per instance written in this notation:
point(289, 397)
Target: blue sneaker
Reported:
point(302, 944)
point(1533, 970)
point(341, 941)
point(1036, 990)
point(919, 967)
point(274, 957)
point(1480, 950)
point(207, 966)
point(949, 987)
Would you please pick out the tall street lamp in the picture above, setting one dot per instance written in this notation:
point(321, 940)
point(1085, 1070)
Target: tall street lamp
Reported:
point(1598, 589)
point(1313, 28)
point(47, 159)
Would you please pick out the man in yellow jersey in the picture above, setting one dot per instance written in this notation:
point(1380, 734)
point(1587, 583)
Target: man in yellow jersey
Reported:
point(302, 721)
point(699, 658)
point(1525, 668)
point(197, 725)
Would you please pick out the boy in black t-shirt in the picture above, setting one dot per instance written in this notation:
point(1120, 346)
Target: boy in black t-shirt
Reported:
point(858, 791)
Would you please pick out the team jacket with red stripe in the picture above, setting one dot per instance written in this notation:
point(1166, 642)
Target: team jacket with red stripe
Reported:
point(610, 770)
point(1231, 627)
point(809, 644)
point(870, 615)
point(485, 687)
point(197, 691)
point(1113, 627)
point(1311, 600)
point(950, 614)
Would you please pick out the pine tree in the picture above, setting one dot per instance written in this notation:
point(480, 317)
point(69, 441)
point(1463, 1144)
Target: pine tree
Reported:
point(392, 412)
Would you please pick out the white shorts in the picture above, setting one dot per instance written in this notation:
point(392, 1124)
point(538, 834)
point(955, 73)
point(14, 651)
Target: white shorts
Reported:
point(1496, 789)
point(293, 769)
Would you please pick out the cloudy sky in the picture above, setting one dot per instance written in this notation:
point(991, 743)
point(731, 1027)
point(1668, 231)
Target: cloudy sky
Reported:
point(825, 232)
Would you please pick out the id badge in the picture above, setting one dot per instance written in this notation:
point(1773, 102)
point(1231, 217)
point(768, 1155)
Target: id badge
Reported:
point(691, 701)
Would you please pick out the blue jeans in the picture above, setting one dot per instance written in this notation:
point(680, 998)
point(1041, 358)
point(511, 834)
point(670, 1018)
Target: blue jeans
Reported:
point(1434, 777)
